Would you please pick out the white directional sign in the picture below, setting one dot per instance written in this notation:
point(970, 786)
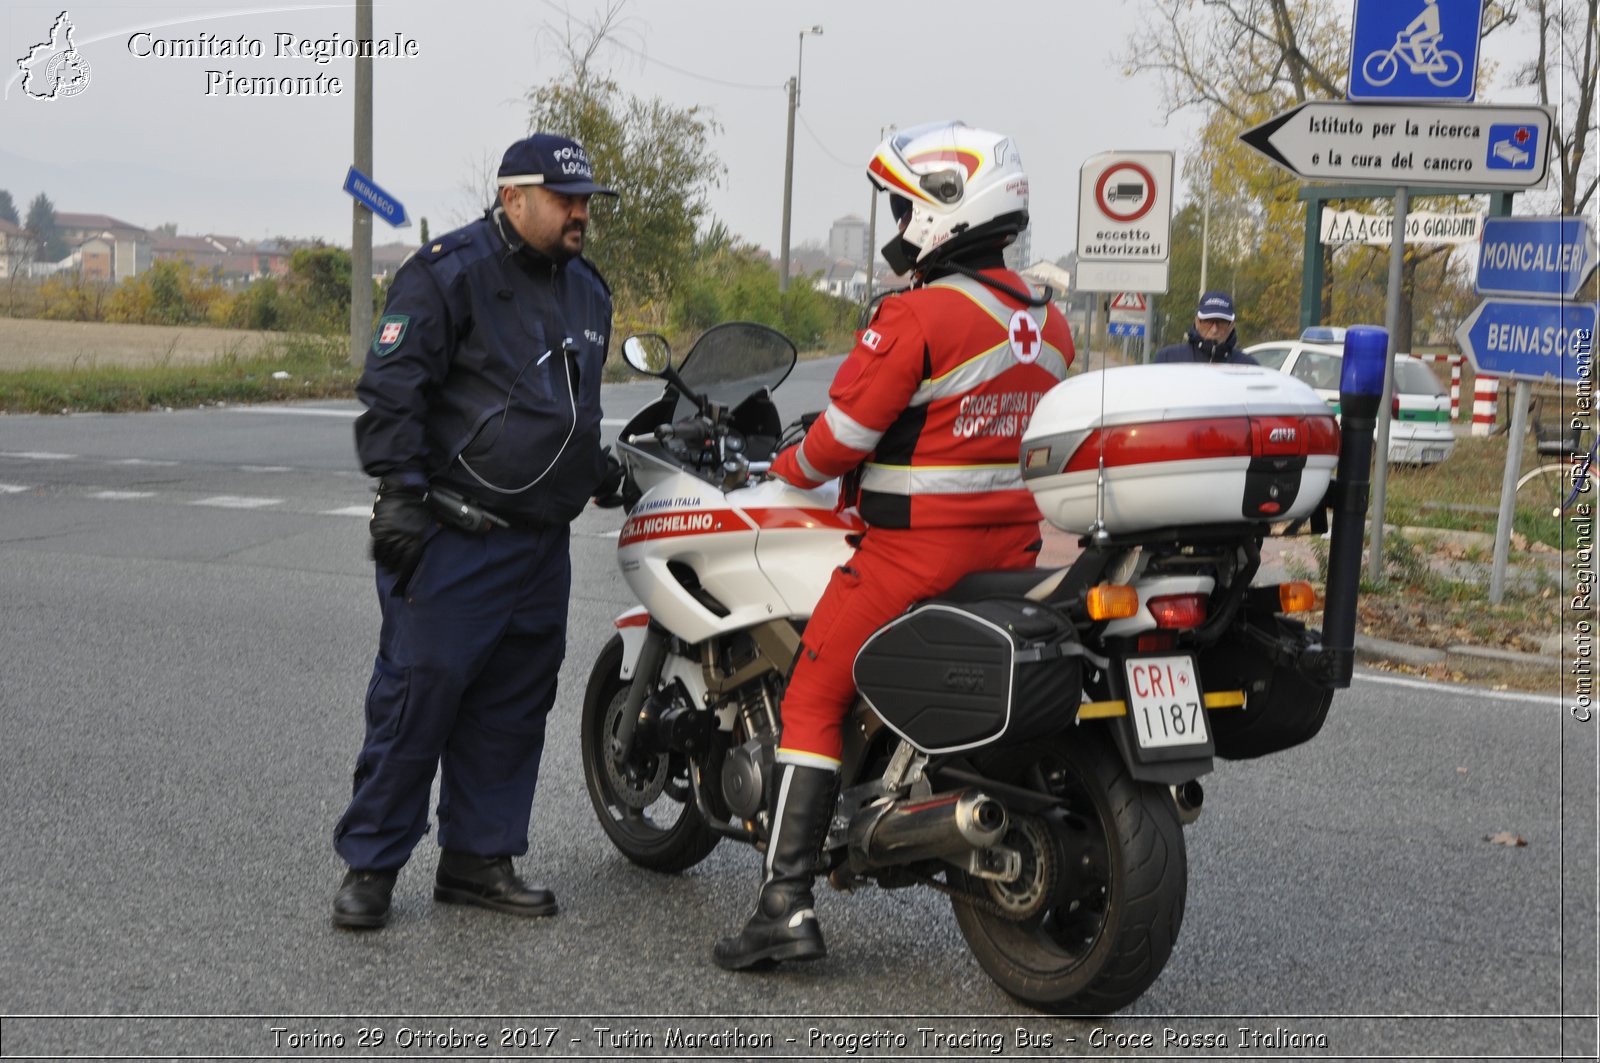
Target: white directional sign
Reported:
point(1125, 221)
point(1477, 145)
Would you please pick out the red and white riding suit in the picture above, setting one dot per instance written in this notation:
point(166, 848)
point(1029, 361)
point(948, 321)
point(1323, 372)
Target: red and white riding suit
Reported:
point(928, 409)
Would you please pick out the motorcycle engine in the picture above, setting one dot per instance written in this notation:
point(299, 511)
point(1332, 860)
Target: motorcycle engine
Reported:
point(744, 776)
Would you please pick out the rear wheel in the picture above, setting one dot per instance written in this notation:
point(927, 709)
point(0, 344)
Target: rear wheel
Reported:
point(1092, 919)
point(645, 804)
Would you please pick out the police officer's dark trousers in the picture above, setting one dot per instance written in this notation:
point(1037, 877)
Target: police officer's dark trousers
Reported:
point(464, 679)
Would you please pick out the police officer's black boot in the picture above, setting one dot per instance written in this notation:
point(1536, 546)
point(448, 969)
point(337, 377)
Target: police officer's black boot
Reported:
point(784, 926)
point(488, 882)
point(362, 902)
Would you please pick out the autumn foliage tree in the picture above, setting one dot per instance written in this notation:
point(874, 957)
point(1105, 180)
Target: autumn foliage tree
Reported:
point(657, 157)
point(1239, 62)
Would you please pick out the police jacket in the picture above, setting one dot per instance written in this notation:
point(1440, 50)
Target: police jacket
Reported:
point(1189, 351)
point(484, 375)
point(931, 403)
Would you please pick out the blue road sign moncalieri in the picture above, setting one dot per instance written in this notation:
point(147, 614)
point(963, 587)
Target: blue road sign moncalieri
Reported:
point(1528, 339)
point(369, 195)
point(1415, 49)
point(1536, 256)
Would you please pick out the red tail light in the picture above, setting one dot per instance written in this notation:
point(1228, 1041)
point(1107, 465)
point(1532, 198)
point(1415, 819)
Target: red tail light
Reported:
point(1155, 641)
point(1178, 611)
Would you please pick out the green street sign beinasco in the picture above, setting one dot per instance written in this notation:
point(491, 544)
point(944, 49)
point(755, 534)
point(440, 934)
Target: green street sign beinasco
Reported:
point(1481, 145)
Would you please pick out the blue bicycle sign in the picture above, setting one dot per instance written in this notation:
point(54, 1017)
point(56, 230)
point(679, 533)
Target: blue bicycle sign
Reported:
point(1415, 49)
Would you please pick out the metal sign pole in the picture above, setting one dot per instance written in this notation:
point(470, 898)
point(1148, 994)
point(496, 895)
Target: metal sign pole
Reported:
point(1508, 492)
point(1391, 317)
point(360, 216)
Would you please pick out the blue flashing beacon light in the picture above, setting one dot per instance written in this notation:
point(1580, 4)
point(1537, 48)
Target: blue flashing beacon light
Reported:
point(1366, 355)
point(1366, 350)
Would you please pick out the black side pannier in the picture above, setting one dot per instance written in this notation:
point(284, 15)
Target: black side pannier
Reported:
point(1283, 706)
point(947, 676)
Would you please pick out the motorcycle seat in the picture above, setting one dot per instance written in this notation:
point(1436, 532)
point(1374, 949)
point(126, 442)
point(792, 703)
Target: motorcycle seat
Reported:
point(998, 583)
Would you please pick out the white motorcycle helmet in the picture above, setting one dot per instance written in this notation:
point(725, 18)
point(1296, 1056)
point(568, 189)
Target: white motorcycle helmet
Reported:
point(964, 189)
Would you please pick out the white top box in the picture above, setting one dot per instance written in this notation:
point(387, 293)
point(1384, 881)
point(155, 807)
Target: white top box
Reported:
point(1180, 445)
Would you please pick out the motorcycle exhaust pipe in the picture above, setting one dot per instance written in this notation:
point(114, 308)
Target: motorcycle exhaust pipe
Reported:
point(1188, 796)
point(902, 832)
point(1366, 356)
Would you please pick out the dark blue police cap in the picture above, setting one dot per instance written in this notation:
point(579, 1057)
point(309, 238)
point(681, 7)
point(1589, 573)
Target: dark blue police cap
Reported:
point(557, 163)
point(1215, 305)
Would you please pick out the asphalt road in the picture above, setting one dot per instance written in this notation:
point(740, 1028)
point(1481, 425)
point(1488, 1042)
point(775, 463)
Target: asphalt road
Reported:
point(187, 623)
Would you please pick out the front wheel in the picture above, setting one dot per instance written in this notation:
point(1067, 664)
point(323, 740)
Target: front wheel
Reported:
point(645, 804)
point(1092, 919)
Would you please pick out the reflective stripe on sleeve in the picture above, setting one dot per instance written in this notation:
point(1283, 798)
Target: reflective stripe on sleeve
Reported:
point(849, 431)
point(811, 472)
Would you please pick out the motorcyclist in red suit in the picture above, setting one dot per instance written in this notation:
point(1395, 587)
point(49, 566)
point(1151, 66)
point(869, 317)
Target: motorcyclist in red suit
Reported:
point(925, 421)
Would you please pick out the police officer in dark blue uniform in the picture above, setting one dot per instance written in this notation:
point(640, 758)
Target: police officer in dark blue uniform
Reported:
point(482, 424)
point(1213, 338)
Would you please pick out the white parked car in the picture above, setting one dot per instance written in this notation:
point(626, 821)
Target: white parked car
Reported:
point(1420, 432)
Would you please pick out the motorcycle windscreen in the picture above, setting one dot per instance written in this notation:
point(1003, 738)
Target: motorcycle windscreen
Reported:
point(734, 360)
point(951, 677)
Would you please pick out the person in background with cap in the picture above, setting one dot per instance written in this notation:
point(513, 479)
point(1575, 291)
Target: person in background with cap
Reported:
point(482, 425)
point(1212, 339)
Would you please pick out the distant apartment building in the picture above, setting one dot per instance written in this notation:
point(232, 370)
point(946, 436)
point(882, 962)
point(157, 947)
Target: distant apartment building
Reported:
point(1020, 253)
point(13, 248)
point(119, 250)
point(848, 240)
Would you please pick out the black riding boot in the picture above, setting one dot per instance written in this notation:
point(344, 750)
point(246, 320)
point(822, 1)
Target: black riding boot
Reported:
point(784, 926)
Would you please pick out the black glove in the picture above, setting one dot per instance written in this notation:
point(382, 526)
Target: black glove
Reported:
point(401, 519)
point(608, 495)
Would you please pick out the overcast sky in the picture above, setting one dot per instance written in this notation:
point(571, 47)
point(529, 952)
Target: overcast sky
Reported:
point(144, 142)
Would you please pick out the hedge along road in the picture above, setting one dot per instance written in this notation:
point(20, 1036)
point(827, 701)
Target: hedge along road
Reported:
point(189, 624)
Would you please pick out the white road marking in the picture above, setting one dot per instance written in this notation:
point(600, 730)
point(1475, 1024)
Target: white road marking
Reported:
point(300, 411)
point(13, 489)
point(236, 502)
point(118, 496)
point(36, 455)
point(142, 461)
point(347, 511)
point(265, 468)
point(1455, 688)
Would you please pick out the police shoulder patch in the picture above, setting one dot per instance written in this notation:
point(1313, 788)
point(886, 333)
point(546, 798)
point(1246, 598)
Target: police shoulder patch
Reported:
point(390, 334)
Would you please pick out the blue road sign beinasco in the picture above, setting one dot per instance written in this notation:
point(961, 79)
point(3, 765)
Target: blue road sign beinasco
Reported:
point(375, 199)
point(1546, 256)
point(1529, 340)
point(1415, 49)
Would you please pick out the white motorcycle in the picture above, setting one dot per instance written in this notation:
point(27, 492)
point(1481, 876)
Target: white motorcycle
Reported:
point(1030, 743)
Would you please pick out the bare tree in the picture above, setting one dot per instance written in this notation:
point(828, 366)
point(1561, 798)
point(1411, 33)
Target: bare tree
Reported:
point(1564, 74)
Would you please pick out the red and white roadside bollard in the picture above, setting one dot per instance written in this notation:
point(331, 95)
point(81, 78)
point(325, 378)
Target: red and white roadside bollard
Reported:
point(1456, 361)
point(1485, 404)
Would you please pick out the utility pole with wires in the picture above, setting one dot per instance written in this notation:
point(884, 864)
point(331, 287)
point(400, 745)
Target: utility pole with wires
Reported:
point(788, 159)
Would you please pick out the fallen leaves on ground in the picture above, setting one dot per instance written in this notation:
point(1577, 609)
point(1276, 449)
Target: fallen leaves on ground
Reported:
point(1506, 838)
